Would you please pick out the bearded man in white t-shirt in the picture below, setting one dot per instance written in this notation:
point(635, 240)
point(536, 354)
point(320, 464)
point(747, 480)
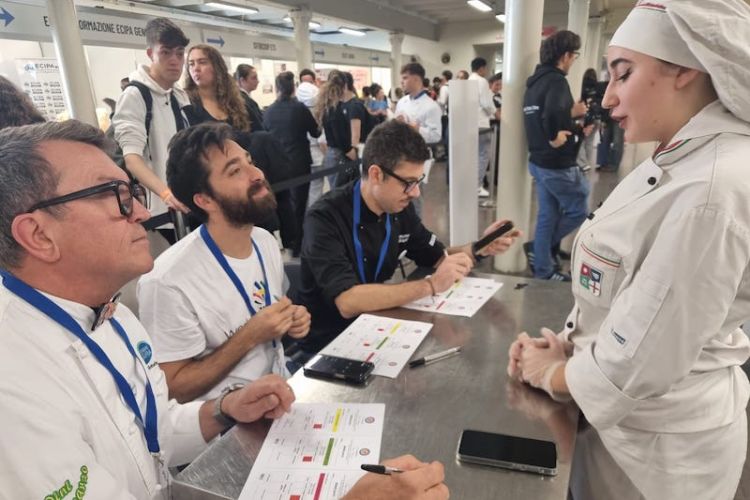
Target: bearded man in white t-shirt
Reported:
point(214, 302)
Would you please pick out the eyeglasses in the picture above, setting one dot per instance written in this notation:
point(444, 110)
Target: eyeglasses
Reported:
point(576, 54)
point(125, 192)
point(408, 185)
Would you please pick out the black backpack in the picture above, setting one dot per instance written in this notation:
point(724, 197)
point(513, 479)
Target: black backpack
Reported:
point(148, 99)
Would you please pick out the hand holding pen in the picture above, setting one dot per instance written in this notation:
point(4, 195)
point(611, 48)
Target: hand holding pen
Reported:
point(416, 481)
point(451, 269)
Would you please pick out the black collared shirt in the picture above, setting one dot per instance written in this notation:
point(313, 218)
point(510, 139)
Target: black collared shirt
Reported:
point(329, 262)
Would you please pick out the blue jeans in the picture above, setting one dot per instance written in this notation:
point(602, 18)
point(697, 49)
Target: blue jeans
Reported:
point(563, 206)
point(332, 158)
point(485, 144)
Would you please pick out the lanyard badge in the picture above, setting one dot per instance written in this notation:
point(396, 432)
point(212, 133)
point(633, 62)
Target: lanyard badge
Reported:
point(216, 252)
point(214, 248)
point(358, 244)
point(62, 318)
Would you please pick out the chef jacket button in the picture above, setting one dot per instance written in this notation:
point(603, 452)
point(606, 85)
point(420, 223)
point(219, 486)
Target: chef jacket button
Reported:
point(569, 324)
point(590, 216)
point(600, 204)
point(652, 180)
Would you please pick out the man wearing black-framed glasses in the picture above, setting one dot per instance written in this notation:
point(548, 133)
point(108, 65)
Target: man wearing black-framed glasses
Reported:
point(77, 374)
point(356, 235)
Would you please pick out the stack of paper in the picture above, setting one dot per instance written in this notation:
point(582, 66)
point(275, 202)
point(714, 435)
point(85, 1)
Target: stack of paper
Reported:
point(464, 298)
point(386, 342)
point(315, 452)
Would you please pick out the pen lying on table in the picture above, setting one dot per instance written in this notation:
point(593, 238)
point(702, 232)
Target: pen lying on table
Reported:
point(434, 357)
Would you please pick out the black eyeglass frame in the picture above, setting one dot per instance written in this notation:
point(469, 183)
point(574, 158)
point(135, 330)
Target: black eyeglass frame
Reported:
point(137, 192)
point(408, 185)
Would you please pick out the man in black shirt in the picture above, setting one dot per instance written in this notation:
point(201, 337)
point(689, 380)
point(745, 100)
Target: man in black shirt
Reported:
point(553, 139)
point(355, 235)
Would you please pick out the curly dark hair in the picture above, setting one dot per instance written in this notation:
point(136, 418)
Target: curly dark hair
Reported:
point(16, 108)
point(392, 142)
point(557, 45)
point(187, 164)
point(225, 87)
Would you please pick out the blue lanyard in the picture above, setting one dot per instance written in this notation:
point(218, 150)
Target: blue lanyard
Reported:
point(421, 93)
point(358, 244)
point(211, 244)
point(60, 316)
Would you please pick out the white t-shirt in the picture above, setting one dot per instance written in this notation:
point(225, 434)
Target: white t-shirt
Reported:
point(426, 112)
point(191, 307)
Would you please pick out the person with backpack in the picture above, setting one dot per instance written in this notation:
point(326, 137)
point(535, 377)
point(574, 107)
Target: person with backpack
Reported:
point(149, 113)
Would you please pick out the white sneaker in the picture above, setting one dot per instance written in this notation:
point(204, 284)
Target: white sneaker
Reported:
point(483, 193)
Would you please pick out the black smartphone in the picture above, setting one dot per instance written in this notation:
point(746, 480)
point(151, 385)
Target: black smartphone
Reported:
point(486, 240)
point(508, 452)
point(335, 368)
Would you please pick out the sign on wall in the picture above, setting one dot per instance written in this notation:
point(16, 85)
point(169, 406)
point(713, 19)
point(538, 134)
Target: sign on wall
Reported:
point(32, 22)
point(41, 80)
point(251, 45)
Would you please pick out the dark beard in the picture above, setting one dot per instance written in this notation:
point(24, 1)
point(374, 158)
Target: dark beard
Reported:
point(250, 211)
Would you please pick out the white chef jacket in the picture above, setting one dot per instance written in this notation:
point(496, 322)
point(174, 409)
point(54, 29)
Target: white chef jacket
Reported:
point(64, 423)
point(661, 279)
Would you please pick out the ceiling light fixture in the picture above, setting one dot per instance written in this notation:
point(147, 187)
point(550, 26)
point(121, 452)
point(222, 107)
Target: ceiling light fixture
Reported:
point(353, 32)
point(313, 25)
point(480, 5)
point(231, 7)
point(500, 17)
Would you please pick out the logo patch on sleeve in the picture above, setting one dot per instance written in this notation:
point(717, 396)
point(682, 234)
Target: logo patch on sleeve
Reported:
point(144, 349)
point(591, 279)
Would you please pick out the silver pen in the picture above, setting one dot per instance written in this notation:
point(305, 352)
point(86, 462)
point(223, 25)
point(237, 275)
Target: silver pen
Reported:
point(435, 357)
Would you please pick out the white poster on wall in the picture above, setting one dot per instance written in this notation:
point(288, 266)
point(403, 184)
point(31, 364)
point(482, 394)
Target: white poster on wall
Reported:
point(41, 80)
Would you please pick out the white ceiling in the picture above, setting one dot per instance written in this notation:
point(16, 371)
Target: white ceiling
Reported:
point(457, 10)
point(421, 18)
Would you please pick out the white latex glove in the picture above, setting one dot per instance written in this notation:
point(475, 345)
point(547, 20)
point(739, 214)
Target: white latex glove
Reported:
point(514, 356)
point(538, 362)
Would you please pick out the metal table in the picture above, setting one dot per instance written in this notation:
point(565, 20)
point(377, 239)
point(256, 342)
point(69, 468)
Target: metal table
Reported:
point(428, 407)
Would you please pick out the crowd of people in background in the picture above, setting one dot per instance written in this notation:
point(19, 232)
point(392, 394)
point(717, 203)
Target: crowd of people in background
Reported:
point(318, 122)
point(204, 148)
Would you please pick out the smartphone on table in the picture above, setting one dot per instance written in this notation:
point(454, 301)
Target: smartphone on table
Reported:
point(335, 368)
point(508, 452)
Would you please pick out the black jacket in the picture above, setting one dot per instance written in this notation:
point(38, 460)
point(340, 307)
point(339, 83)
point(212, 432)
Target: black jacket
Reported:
point(547, 108)
point(256, 115)
point(290, 121)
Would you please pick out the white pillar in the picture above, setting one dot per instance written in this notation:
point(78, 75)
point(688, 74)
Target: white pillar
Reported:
point(578, 23)
point(594, 50)
point(463, 158)
point(523, 28)
point(396, 38)
point(301, 19)
point(75, 72)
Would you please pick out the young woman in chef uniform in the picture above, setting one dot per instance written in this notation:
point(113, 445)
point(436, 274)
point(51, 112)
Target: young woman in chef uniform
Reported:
point(651, 352)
